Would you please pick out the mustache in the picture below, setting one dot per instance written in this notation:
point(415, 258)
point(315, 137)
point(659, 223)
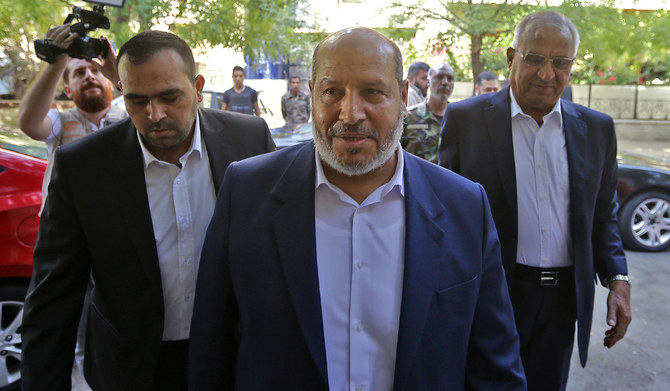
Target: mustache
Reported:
point(340, 128)
point(91, 84)
point(162, 124)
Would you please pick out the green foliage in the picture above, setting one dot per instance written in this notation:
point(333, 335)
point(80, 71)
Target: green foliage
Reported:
point(472, 33)
point(620, 46)
point(17, 34)
point(617, 46)
point(251, 26)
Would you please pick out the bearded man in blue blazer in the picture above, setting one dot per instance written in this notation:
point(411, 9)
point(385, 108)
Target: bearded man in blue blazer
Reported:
point(549, 170)
point(347, 263)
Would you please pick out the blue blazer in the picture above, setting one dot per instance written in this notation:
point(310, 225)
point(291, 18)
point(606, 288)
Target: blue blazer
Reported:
point(477, 143)
point(257, 321)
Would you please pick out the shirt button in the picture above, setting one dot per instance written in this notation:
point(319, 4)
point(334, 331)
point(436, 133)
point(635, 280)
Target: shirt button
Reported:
point(187, 298)
point(543, 198)
point(359, 327)
point(359, 387)
point(359, 265)
point(539, 165)
point(544, 230)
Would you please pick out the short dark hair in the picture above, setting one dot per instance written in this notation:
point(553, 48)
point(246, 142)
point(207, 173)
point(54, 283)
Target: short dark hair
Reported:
point(294, 77)
point(486, 75)
point(239, 68)
point(416, 67)
point(397, 56)
point(140, 48)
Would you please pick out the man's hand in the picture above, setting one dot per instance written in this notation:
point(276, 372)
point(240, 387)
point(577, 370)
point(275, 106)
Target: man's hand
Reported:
point(61, 36)
point(108, 64)
point(618, 312)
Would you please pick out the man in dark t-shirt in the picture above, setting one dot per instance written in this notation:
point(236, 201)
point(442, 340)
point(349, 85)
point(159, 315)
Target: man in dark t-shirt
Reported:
point(240, 98)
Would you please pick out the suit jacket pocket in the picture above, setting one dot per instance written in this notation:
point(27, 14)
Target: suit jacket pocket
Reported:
point(457, 302)
point(106, 351)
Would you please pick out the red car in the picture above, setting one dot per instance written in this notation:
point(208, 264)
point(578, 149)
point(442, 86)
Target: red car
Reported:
point(20, 199)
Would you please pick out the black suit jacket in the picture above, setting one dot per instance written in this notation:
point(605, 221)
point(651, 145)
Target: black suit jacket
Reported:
point(477, 143)
point(97, 222)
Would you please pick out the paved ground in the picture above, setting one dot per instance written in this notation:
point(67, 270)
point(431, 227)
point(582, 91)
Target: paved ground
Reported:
point(641, 361)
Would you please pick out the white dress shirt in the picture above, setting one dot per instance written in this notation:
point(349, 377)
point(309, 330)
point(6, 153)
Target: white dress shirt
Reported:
point(181, 201)
point(543, 189)
point(360, 261)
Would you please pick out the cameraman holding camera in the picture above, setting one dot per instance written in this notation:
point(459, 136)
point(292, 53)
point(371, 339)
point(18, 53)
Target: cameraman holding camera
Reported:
point(89, 83)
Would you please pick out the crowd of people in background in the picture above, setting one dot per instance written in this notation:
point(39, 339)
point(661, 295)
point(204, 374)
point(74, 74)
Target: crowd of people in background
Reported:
point(415, 244)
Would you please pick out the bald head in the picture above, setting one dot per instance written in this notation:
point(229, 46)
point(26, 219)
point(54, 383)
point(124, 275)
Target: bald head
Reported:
point(356, 40)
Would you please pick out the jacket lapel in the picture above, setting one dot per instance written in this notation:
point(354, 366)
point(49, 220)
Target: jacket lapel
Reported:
point(216, 148)
point(500, 133)
point(295, 192)
point(132, 195)
point(424, 240)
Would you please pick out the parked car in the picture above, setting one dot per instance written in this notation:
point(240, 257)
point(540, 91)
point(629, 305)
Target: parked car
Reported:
point(288, 135)
point(22, 167)
point(644, 202)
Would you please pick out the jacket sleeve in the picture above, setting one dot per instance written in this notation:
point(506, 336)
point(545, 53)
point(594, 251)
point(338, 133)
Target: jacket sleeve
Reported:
point(213, 342)
point(448, 156)
point(61, 270)
point(494, 361)
point(608, 250)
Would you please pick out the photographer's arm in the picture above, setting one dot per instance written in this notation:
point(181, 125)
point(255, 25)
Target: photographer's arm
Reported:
point(36, 103)
point(108, 64)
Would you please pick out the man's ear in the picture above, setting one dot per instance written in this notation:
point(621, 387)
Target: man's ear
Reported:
point(67, 91)
point(199, 85)
point(405, 88)
point(510, 57)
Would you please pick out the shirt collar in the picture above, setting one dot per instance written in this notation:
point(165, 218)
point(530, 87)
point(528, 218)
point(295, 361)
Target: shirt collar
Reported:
point(196, 146)
point(516, 110)
point(396, 180)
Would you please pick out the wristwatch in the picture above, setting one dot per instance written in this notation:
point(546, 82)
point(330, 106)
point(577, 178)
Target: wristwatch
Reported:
point(617, 277)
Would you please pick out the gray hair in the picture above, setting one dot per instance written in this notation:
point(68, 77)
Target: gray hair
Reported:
point(546, 18)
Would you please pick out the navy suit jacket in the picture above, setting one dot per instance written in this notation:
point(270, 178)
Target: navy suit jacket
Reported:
point(97, 223)
point(477, 143)
point(257, 321)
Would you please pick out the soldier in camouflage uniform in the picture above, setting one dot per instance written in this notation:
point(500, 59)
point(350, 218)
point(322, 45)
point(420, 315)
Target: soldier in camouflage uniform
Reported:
point(295, 104)
point(421, 135)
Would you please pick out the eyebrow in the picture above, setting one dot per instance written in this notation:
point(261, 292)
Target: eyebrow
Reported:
point(171, 91)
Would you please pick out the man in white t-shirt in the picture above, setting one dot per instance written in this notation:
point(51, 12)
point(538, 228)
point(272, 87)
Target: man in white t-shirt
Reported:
point(86, 82)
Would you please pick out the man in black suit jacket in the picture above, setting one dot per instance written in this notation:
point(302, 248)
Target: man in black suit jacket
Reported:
point(549, 169)
point(128, 207)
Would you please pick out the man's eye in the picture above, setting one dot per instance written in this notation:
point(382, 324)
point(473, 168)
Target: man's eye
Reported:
point(170, 98)
point(329, 91)
point(138, 102)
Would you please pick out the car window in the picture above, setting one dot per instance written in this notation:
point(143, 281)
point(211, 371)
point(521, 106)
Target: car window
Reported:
point(19, 142)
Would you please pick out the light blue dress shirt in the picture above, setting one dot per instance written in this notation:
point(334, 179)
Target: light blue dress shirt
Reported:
point(360, 259)
point(543, 189)
point(181, 201)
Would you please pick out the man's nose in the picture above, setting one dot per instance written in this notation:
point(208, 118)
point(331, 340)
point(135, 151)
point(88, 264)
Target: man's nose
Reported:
point(155, 109)
point(351, 110)
point(546, 71)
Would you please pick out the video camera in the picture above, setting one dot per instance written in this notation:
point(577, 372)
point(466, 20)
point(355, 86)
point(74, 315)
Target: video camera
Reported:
point(83, 46)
